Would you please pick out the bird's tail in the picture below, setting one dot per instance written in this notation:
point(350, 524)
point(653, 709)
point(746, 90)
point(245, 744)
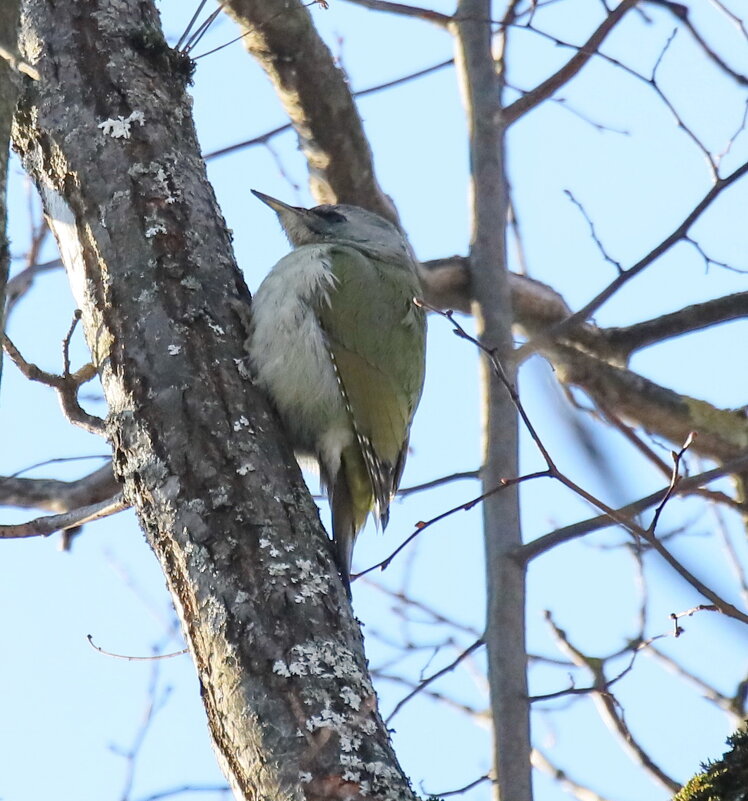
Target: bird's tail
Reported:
point(343, 527)
point(351, 499)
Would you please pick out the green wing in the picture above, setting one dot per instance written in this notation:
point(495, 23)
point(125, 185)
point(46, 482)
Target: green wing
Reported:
point(376, 335)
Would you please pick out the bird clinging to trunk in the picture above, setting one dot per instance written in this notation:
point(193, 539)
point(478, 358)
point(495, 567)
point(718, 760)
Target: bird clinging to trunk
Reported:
point(338, 344)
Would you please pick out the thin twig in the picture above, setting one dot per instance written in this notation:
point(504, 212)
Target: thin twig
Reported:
point(595, 238)
point(678, 234)
point(462, 790)
point(648, 535)
point(541, 762)
point(18, 64)
point(427, 14)
point(545, 543)
point(268, 135)
point(463, 507)
point(552, 84)
point(438, 482)
point(608, 707)
point(425, 683)
point(128, 658)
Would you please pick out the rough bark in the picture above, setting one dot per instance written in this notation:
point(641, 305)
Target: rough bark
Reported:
point(108, 138)
point(505, 615)
point(9, 14)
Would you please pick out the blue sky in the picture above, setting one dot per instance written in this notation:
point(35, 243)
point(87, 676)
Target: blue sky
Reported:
point(69, 708)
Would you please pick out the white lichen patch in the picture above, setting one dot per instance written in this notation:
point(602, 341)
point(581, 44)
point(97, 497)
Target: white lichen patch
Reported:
point(350, 697)
point(241, 423)
point(327, 659)
point(312, 582)
point(154, 229)
point(162, 182)
point(215, 328)
point(381, 779)
point(327, 718)
point(245, 468)
point(173, 350)
point(280, 668)
point(305, 777)
point(121, 127)
point(350, 742)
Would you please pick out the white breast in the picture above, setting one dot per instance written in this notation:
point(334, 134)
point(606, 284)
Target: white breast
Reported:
point(289, 355)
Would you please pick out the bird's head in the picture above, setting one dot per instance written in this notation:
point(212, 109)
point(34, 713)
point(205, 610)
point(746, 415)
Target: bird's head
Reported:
point(343, 224)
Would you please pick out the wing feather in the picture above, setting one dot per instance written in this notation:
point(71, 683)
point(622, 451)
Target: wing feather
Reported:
point(377, 348)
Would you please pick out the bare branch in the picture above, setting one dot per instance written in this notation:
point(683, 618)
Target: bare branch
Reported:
point(427, 14)
point(150, 658)
point(439, 673)
point(625, 340)
point(541, 762)
point(737, 713)
point(188, 788)
point(648, 535)
point(66, 385)
point(677, 235)
point(680, 12)
point(595, 238)
point(675, 479)
point(461, 790)
point(18, 64)
point(58, 496)
point(44, 526)
point(658, 409)
point(438, 482)
point(609, 709)
point(268, 135)
point(463, 507)
point(542, 544)
point(544, 90)
point(437, 617)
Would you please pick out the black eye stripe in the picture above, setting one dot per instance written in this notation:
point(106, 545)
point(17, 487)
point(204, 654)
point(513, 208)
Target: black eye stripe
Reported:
point(330, 215)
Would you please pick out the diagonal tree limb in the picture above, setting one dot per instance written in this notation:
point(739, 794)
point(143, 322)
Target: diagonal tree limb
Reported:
point(687, 484)
point(58, 496)
point(627, 339)
point(678, 234)
point(317, 99)
point(44, 526)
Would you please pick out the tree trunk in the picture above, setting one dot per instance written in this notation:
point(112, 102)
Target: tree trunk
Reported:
point(108, 138)
point(9, 14)
point(505, 577)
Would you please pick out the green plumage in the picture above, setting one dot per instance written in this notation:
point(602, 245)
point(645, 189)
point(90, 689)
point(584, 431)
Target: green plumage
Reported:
point(370, 323)
point(338, 344)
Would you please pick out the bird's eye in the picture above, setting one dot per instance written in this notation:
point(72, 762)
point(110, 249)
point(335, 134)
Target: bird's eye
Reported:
point(330, 215)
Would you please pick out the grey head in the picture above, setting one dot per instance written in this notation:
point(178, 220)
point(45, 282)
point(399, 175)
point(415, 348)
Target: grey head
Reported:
point(340, 224)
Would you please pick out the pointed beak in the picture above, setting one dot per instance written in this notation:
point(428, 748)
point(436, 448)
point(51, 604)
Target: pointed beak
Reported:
point(278, 206)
